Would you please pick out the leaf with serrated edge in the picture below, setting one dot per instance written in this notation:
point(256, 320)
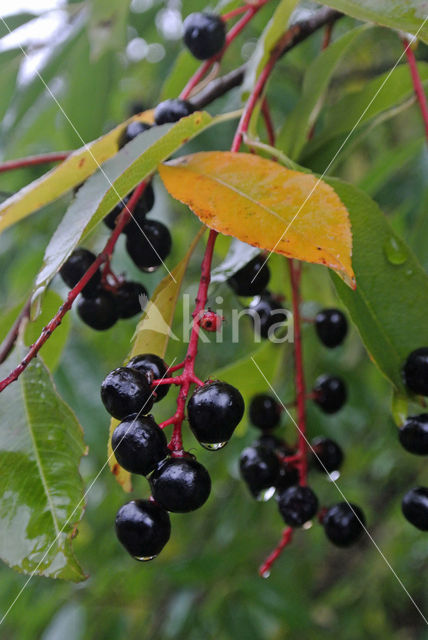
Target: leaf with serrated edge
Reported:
point(41, 444)
point(147, 340)
point(266, 205)
point(103, 191)
point(73, 171)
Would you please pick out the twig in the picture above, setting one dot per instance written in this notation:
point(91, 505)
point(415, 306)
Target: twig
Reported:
point(417, 83)
point(32, 161)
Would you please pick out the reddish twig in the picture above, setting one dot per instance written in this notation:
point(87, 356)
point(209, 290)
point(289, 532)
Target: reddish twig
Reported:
point(10, 339)
point(417, 83)
point(286, 538)
point(32, 161)
point(122, 221)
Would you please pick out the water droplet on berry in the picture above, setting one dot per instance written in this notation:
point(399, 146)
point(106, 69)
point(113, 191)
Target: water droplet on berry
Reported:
point(333, 476)
point(144, 558)
point(394, 251)
point(265, 574)
point(307, 525)
point(213, 446)
point(266, 494)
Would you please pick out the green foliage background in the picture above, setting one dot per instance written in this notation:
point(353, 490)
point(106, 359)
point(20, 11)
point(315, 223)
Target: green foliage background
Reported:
point(205, 583)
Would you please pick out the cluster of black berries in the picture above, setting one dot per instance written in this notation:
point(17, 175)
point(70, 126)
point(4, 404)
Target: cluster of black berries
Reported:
point(413, 436)
point(178, 484)
point(266, 471)
point(101, 305)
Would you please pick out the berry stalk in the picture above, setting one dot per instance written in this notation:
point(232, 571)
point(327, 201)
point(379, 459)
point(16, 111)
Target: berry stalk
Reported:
point(286, 538)
point(417, 83)
point(32, 161)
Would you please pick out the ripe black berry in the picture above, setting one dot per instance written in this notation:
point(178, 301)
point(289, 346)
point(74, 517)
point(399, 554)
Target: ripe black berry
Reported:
point(125, 391)
point(415, 371)
point(143, 528)
point(130, 299)
point(413, 435)
point(139, 444)
point(288, 477)
point(149, 362)
point(204, 34)
point(297, 505)
point(150, 246)
point(270, 441)
point(259, 468)
point(331, 326)
point(99, 312)
point(132, 131)
point(330, 393)
point(267, 314)
point(214, 410)
point(172, 110)
point(180, 484)
point(265, 411)
point(252, 279)
point(143, 206)
point(415, 507)
point(75, 268)
point(343, 524)
point(328, 455)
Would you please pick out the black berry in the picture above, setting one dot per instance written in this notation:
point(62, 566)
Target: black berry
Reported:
point(267, 315)
point(172, 110)
point(130, 299)
point(125, 391)
point(143, 206)
point(252, 279)
point(288, 477)
point(270, 441)
point(204, 34)
point(413, 435)
point(415, 507)
point(329, 393)
point(297, 505)
point(328, 455)
point(259, 468)
point(143, 528)
point(331, 326)
point(99, 312)
point(214, 410)
point(139, 444)
point(265, 411)
point(75, 268)
point(149, 362)
point(415, 371)
point(180, 484)
point(344, 524)
point(150, 246)
point(132, 131)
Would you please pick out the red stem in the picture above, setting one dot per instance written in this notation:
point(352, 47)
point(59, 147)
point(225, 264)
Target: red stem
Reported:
point(417, 83)
point(268, 122)
point(286, 538)
point(123, 219)
point(32, 161)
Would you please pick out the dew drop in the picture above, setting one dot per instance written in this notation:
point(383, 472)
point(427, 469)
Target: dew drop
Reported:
point(394, 251)
point(213, 446)
point(409, 272)
point(307, 525)
point(265, 574)
point(333, 476)
point(144, 558)
point(266, 494)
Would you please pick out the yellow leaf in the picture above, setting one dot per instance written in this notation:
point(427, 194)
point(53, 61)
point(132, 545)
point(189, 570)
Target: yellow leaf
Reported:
point(151, 336)
point(266, 205)
point(79, 165)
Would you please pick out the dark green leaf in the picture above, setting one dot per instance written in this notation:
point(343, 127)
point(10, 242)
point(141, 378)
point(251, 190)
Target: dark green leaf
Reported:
point(40, 486)
point(53, 348)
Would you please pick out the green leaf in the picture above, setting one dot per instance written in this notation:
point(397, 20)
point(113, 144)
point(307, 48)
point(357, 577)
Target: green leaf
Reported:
point(183, 69)
point(274, 29)
point(357, 109)
point(9, 66)
point(152, 336)
point(41, 490)
point(119, 176)
point(107, 26)
point(73, 171)
point(404, 15)
point(390, 302)
point(10, 23)
point(53, 348)
point(293, 135)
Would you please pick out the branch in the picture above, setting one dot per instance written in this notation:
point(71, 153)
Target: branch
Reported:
point(9, 341)
point(296, 34)
point(32, 161)
point(417, 83)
